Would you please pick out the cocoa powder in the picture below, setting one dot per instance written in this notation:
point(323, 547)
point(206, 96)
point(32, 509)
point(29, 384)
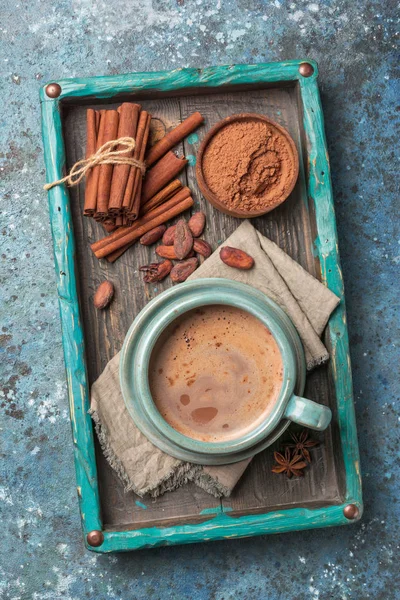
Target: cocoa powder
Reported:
point(248, 165)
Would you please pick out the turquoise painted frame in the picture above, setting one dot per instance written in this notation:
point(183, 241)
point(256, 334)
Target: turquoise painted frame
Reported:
point(220, 525)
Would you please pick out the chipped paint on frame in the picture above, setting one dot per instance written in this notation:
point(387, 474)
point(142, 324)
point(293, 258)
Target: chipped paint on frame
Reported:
point(220, 525)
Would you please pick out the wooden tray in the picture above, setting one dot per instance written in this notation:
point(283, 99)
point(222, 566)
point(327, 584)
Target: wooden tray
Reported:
point(304, 226)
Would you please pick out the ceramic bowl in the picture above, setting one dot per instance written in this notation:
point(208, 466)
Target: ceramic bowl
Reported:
point(213, 198)
point(143, 335)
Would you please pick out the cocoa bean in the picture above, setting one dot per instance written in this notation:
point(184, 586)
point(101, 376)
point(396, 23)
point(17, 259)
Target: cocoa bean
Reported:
point(197, 223)
point(169, 236)
point(236, 258)
point(104, 294)
point(152, 236)
point(155, 272)
point(181, 271)
point(166, 252)
point(202, 247)
point(183, 242)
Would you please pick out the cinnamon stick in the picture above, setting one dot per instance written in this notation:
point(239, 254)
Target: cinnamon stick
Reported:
point(105, 176)
point(150, 212)
point(133, 212)
point(97, 118)
point(144, 219)
point(91, 132)
point(140, 133)
point(128, 190)
point(134, 207)
point(166, 169)
point(162, 195)
point(128, 120)
point(121, 245)
point(159, 210)
point(91, 138)
point(172, 138)
point(92, 179)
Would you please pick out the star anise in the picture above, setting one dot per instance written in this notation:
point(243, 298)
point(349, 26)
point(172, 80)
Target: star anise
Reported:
point(301, 444)
point(290, 464)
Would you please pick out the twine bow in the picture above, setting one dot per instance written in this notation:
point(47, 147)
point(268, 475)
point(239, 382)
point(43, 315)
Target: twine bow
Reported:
point(105, 155)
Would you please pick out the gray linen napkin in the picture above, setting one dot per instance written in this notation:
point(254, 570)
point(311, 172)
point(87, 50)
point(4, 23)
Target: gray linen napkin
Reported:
point(144, 468)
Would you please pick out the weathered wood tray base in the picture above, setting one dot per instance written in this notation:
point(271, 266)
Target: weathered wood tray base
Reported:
point(304, 226)
point(291, 226)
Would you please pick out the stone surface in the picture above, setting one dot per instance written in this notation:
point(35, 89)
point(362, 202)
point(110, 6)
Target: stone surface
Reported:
point(43, 557)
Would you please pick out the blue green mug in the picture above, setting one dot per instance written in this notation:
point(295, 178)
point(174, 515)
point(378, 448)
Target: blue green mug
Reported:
point(159, 314)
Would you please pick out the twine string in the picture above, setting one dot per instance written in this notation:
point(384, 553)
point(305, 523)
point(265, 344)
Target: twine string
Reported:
point(105, 155)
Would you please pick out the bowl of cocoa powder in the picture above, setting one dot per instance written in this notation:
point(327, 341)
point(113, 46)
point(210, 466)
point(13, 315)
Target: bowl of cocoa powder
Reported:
point(247, 165)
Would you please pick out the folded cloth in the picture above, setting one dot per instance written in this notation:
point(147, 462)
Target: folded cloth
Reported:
point(144, 468)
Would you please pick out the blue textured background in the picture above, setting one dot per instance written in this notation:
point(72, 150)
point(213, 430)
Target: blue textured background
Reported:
point(42, 554)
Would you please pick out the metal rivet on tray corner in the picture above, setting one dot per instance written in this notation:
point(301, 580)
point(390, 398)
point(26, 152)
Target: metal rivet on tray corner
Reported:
point(53, 90)
point(95, 538)
point(306, 69)
point(351, 512)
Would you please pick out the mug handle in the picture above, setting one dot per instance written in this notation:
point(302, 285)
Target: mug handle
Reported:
point(308, 413)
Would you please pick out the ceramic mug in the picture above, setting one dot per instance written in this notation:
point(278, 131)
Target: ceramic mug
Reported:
point(161, 312)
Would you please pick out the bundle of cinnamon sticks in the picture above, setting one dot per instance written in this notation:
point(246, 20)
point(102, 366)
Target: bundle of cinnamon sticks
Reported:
point(118, 195)
point(170, 202)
